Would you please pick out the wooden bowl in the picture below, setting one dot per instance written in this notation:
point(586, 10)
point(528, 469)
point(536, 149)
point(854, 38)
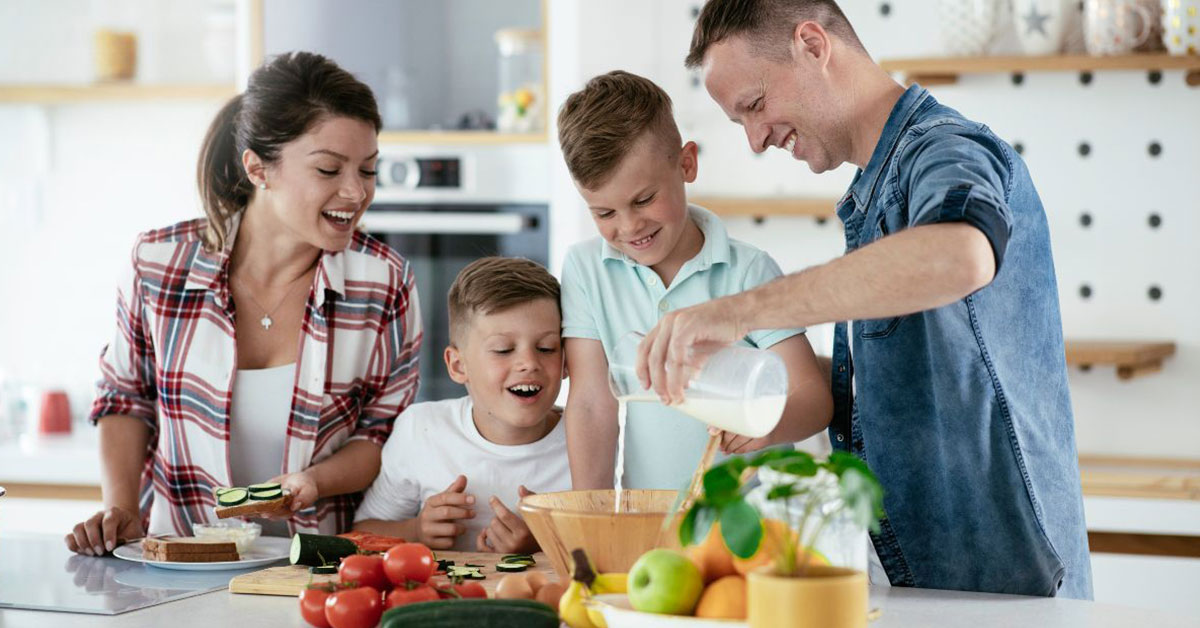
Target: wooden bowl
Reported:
point(613, 540)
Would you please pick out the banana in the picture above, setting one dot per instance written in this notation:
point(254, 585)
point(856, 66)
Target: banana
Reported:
point(573, 608)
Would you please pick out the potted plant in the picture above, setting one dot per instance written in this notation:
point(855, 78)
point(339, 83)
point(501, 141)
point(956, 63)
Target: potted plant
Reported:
point(793, 589)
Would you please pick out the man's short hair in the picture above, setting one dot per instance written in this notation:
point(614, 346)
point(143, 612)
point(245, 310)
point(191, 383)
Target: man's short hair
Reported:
point(768, 25)
point(495, 284)
point(599, 124)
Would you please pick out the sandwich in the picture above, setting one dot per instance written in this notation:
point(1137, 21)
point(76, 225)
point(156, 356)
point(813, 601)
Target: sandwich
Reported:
point(256, 500)
point(178, 549)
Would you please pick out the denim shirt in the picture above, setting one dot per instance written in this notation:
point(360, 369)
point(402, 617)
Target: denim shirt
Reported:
point(963, 411)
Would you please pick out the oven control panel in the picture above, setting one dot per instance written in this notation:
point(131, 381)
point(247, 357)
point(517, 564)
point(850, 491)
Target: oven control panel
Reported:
point(421, 172)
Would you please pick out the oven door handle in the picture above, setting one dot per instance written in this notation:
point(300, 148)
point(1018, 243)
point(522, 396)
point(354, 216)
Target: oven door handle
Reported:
point(443, 222)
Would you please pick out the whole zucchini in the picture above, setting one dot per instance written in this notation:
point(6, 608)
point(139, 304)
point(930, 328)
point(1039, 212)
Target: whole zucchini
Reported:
point(471, 613)
point(315, 550)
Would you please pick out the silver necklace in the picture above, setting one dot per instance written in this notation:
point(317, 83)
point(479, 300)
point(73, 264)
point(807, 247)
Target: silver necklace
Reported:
point(266, 320)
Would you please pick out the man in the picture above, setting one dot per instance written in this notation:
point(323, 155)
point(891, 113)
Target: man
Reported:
point(950, 378)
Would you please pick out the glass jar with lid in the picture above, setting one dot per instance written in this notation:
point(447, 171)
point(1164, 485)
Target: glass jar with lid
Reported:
point(522, 94)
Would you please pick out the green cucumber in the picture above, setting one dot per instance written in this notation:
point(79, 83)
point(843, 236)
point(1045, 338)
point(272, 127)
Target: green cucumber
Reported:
point(319, 549)
point(471, 613)
point(265, 486)
point(267, 495)
point(232, 497)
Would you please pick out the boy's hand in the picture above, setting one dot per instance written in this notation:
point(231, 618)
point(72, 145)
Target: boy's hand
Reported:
point(507, 533)
point(737, 444)
point(437, 525)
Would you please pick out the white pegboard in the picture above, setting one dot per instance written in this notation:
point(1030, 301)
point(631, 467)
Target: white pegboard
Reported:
point(1119, 256)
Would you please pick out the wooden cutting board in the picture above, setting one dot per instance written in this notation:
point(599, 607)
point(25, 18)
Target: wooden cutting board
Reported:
point(292, 579)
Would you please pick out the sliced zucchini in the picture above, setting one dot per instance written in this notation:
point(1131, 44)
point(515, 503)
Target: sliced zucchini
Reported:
point(323, 569)
point(232, 497)
point(469, 573)
point(264, 486)
point(221, 490)
point(319, 549)
point(443, 565)
point(523, 559)
point(267, 495)
point(511, 567)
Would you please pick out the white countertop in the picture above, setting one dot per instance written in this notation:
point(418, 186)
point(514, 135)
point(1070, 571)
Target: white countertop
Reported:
point(901, 608)
point(79, 577)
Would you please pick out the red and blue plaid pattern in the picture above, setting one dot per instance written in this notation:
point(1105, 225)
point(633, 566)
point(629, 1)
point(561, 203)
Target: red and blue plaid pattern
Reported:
point(172, 364)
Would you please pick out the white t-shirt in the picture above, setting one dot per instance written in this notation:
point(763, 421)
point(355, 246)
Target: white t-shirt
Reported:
point(258, 423)
point(434, 442)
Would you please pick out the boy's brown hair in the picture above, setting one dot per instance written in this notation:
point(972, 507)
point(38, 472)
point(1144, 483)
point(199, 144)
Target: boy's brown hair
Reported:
point(494, 284)
point(768, 25)
point(599, 124)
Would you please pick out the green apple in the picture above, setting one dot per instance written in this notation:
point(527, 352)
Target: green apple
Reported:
point(665, 581)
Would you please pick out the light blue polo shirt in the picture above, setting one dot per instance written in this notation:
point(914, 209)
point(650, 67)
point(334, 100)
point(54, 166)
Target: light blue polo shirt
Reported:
point(605, 295)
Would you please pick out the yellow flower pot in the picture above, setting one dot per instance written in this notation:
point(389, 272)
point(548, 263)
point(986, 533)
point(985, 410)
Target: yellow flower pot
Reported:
point(825, 597)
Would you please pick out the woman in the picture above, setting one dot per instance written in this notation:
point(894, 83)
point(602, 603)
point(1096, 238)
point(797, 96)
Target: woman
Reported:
point(270, 339)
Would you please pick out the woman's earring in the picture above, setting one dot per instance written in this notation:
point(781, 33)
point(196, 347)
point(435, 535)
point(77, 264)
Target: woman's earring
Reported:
point(262, 186)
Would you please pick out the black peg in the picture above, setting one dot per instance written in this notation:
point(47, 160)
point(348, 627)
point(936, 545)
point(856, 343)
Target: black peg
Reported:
point(1155, 293)
point(1085, 149)
point(1018, 78)
point(1085, 219)
point(1155, 149)
point(1155, 221)
point(1154, 76)
point(885, 9)
point(1085, 291)
point(695, 11)
point(821, 220)
point(758, 220)
point(1085, 78)
point(1019, 147)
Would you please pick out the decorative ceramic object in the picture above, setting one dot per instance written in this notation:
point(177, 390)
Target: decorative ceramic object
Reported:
point(1181, 26)
point(830, 597)
point(1115, 27)
point(967, 25)
point(1042, 24)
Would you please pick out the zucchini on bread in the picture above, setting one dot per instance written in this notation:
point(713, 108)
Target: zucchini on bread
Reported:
point(256, 500)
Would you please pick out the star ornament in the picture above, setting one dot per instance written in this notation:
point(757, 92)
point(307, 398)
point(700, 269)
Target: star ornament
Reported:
point(1035, 21)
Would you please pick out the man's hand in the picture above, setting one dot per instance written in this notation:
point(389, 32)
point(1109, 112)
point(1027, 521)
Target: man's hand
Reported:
point(303, 488)
point(507, 532)
point(679, 345)
point(437, 525)
point(105, 530)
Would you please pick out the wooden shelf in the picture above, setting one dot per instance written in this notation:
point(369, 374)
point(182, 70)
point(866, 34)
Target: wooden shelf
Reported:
point(763, 207)
point(1148, 478)
point(1131, 358)
point(53, 94)
point(460, 138)
point(946, 70)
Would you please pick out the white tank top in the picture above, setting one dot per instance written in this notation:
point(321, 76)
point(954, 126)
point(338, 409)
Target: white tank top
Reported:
point(262, 404)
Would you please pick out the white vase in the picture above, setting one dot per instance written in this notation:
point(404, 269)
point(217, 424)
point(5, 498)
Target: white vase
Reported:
point(1042, 25)
point(1181, 26)
point(967, 25)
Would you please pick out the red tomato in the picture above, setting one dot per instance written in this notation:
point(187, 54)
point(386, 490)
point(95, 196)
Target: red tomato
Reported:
point(463, 589)
point(406, 595)
point(408, 561)
point(366, 570)
point(354, 608)
point(312, 605)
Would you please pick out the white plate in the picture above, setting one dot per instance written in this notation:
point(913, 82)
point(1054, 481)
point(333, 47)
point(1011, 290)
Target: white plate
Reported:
point(619, 614)
point(266, 550)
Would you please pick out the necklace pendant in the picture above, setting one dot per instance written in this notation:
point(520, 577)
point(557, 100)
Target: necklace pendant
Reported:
point(266, 322)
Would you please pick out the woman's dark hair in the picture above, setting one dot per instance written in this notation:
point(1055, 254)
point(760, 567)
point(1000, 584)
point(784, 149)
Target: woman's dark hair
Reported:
point(285, 97)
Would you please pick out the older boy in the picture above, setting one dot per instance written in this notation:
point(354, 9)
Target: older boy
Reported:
point(504, 436)
point(656, 254)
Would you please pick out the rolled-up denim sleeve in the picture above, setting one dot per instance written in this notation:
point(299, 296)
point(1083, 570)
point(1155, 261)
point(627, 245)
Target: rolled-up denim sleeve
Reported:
point(959, 174)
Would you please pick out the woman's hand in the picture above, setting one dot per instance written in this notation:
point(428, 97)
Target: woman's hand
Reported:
point(302, 486)
point(105, 530)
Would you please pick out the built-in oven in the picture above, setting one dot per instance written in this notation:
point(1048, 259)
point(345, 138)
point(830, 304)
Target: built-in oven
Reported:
point(442, 209)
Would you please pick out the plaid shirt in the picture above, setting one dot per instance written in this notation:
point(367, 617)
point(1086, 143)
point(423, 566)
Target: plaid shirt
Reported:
point(172, 364)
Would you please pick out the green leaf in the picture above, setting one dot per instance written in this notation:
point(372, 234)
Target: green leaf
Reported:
point(705, 517)
point(741, 528)
point(782, 491)
point(863, 497)
point(721, 484)
point(804, 468)
point(687, 527)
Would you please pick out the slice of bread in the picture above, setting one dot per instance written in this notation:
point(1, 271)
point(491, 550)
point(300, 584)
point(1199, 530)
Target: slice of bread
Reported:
point(258, 508)
point(188, 550)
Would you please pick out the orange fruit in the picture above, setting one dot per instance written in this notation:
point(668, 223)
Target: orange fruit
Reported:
point(723, 599)
point(775, 532)
point(711, 556)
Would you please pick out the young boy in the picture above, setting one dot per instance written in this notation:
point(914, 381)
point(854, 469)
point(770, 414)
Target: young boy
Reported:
point(504, 436)
point(656, 253)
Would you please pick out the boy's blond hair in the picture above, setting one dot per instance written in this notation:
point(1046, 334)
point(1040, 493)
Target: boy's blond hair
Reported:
point(599, 124)
point(494, 284)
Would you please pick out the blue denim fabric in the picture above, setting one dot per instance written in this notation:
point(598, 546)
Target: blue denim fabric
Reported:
point(963, 411)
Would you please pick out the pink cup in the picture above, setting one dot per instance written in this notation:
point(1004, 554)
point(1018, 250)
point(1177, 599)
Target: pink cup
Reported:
point(55, 415)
